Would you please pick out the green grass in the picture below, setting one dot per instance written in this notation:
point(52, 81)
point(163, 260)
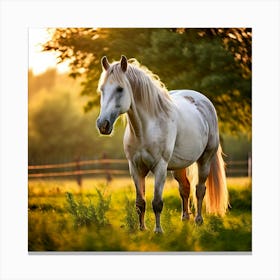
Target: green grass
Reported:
point(100, 217)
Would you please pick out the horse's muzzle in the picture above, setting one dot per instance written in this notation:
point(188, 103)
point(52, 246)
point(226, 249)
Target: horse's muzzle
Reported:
point(104, 127)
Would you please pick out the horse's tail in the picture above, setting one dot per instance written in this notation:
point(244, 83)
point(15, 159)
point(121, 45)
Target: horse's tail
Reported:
point(216, 186)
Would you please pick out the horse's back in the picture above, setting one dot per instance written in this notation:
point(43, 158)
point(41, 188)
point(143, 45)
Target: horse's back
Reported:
point(198, 101)
point(191, 95)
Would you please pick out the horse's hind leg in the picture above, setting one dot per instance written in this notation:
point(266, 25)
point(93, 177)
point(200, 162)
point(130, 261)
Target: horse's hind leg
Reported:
point(203, 164)
point(184, 189)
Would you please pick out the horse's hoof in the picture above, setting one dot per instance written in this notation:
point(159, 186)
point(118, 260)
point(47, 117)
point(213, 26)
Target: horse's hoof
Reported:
point(185, 217)
point(199, 220)
point(158, 230)
point(143, 228)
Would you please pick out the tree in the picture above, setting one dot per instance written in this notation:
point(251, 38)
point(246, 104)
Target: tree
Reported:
point(216, 62)
point(209, 64)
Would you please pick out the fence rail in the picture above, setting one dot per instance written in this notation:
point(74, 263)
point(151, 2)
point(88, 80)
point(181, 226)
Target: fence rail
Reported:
point(81, 163)
point(76, 172)
point(107, 167)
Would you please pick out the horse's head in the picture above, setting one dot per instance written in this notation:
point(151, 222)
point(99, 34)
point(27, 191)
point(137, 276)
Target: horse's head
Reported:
point(115, 95)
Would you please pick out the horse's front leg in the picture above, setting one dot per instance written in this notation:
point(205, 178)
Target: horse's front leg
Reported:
point(159, 171)
point(139, 181)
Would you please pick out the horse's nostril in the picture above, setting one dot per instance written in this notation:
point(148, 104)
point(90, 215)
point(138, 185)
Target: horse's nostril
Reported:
point(106, 124)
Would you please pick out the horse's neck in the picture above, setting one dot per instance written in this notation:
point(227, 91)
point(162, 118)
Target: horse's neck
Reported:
point(137, 118)
point(134, 121)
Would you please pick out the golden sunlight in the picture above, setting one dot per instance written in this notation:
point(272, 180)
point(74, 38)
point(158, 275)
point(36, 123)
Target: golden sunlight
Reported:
point(40, 61)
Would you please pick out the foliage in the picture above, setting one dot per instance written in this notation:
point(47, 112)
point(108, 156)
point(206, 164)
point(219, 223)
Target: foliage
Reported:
point(203, 63)
point(50, 221)
point(215, 61)
point(59, 130)
point(85, 215)
point(131, 218)
point(236, 148)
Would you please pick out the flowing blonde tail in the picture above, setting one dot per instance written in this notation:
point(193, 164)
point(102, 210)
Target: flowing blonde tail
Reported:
point(216, 186)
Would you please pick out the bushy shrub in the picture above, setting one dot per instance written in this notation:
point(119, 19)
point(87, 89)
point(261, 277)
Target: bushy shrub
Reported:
point(88, 214)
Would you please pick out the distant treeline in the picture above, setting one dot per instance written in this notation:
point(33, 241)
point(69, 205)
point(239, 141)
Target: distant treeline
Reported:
point(59, 130)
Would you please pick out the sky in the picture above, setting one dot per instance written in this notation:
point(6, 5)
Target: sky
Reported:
point(40, 61)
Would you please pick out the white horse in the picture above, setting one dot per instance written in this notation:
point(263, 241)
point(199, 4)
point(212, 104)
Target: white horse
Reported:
point(164, 131)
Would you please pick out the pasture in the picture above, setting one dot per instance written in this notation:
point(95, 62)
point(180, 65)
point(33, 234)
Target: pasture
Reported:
point(101, 217)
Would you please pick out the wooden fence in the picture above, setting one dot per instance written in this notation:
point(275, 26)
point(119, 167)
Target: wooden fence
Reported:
point(240, 168)
point(113, 167)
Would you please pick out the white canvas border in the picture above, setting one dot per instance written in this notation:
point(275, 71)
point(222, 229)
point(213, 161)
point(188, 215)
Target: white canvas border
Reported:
point(18, 16)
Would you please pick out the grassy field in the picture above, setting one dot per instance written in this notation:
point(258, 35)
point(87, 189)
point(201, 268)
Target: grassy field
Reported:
point(101, 217)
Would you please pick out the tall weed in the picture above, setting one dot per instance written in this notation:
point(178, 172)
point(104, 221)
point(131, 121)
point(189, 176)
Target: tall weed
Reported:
point(131, 218)
point(88, 214)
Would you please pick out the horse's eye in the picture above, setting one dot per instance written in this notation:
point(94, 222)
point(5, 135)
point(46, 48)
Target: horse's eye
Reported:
point(119, 89)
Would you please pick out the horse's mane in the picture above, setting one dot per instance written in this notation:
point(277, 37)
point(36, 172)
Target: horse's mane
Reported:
point(146, 87)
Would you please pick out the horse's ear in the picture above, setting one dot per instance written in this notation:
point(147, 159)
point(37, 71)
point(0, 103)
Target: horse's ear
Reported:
point(104, 62)
point(124, 63)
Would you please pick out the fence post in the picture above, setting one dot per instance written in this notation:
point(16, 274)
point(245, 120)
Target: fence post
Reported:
point(249, 165)
point(79, 175)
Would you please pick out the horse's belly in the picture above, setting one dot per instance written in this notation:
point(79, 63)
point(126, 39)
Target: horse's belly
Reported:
point(178, 163)
point(188, 148)
point(184, 156)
